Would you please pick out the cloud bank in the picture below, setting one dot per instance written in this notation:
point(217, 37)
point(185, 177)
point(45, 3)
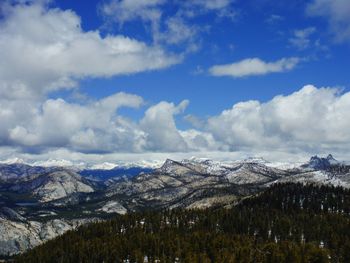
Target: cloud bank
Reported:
point(311, 120)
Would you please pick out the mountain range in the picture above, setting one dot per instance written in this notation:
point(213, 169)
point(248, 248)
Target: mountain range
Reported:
point(41, 202)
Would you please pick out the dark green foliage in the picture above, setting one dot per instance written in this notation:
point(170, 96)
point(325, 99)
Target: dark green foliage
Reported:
point(286, 223)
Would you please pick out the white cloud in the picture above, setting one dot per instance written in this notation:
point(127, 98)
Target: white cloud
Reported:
point(199, 141)
point(160, 127)
point(253, 66)
point(195, 121)
point(309, 120)
point(92, 127)
point(44, 49)
point(337, 13)
point(97, 127)
point(301, 37)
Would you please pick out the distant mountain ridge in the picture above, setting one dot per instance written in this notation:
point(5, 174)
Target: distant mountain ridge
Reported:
point(80, 165)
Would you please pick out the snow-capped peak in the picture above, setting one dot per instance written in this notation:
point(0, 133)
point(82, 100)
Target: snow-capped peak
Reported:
point(142, 163)
point(103, 166)
point(13, 161)
point(54, 163)
point(260, 160)
point(167, 163)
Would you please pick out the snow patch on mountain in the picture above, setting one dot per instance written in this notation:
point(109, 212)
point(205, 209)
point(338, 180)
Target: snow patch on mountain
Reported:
point(103, 166)
point(14, 160)
point(55, 163)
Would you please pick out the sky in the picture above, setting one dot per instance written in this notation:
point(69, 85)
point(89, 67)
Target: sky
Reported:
point(107, 80)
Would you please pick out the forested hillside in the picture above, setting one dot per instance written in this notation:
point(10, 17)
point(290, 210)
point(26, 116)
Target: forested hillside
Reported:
point(286, 223)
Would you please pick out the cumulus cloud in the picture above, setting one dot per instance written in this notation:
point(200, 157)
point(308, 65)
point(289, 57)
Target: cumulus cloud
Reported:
point(96, 127)
point(194, 121)
point(160, 127)
point(337, 13)
point(92, 127)
point(199, 141)
point(253, 66)
point(43, 50)
point(309, 120)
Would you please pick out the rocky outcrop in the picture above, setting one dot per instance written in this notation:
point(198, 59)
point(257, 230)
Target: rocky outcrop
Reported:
point(18, 234)
point(54, 185)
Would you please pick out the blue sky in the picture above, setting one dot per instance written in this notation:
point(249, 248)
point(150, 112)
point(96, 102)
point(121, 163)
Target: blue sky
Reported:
point(103, 79)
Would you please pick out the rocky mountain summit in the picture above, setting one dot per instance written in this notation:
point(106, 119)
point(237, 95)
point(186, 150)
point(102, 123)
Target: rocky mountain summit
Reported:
point(38, 203)
point(320, 163)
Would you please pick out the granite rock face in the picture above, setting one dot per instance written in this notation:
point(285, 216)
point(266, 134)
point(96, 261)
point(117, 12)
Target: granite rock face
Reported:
point(18, 234)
